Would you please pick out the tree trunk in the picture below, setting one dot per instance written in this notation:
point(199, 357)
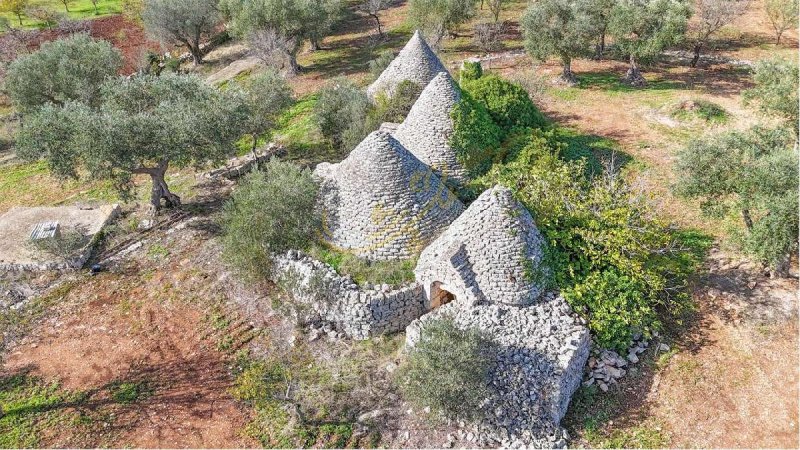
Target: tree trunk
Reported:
point(197, 55)
point(378, 23)
point(315, 45)
point(19, 18)
point(696, 57)
point(255, 155)
point(567, 77)
point(159, 189)
point(634, 76)
point(96, 12)
point(778, 40)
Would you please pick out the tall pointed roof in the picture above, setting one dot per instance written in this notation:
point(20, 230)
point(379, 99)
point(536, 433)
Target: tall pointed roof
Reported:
point(415, 62)
point(427, 129)
point(381, 202)
point(491, 253)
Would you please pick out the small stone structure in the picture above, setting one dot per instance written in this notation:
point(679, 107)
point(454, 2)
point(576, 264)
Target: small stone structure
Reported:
point(491, 253)
point(540, 351)
point(416, 62)
point(381, 202)
point(484, 272)
point(17, 224)
point(359, 313)
point(427, 129)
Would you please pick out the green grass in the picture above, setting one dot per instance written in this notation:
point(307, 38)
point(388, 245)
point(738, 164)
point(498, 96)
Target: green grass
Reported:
point(703, 110)
point(126, 392)
point(29, 405)
point(298, 131)
point(393, 273)
point(78, 9)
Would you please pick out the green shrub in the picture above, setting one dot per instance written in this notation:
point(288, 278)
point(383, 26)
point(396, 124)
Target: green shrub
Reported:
point(447, 370)
point(701, 109)
point(508, 104)
point(394, 108)
point(475, 137)
point(613, 260)
point(393, 273)
point(273, 210)
point(341, 113)
point(379, 64)
point(470, 71)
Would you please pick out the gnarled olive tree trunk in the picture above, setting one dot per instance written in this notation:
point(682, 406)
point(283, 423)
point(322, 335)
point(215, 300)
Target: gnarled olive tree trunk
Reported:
point(159, 190)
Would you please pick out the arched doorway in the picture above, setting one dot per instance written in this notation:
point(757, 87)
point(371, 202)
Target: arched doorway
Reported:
point(440, 296)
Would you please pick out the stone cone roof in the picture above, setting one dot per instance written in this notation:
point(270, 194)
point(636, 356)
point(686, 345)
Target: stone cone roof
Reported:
point(427, 129)
point(381, 202)
point(491, 253)
point(415, 62)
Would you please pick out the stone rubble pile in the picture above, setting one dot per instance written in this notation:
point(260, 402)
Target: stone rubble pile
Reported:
point(606, 367)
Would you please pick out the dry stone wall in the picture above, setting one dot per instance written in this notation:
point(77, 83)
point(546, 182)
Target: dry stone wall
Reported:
point(416, 62)
point(383, 203)
point(540, 351)
point(359, 313)
point(427, 129)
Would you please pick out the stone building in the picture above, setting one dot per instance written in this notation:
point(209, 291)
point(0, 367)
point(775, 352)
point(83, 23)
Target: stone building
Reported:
point(427, 129)
point(416, 62)
point(485, 272)
point(381, 202)
point(491, 254)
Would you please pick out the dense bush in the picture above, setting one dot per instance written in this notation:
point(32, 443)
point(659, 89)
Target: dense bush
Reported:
point(394, 108)
point(341, 113)
point(447, 370)
point(270, 212)
point(476, 138)
point(470, 71)
point(614, 261)
point(775, 90)
point(508, 104)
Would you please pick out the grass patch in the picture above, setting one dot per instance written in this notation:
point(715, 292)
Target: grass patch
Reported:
point(393, 273)
point(126, 392)
point(16, 322)
point(702, 110)
point(596, 150)
point(298, 131)
point(78, 9)
point(29, 406)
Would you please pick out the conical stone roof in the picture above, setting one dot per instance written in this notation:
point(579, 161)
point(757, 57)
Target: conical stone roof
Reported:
point(427, 129)
point(381, 202)
point(491, 253)
point(415, 62)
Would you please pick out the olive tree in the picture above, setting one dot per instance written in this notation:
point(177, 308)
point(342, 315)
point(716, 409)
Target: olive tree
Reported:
point(15, 7)
point(558, 27)
point(142, 125)
point(266, 96)
point(709, 17)
point(185, 22)
point(754, 174)
point(776, 90)
point(435, 18)
point(278, 28)
point(600, 13)
point(71, 69)
point(782, 15)
point(373, 8)
point(642, 29)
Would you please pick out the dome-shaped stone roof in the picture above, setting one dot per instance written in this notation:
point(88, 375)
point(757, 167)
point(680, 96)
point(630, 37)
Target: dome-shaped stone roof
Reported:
point(416, 62)
point(491, 253)
point(381, 202)
point(427, 129)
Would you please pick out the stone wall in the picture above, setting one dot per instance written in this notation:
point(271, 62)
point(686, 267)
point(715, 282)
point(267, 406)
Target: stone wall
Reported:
point(359, 313)
point(540, 351)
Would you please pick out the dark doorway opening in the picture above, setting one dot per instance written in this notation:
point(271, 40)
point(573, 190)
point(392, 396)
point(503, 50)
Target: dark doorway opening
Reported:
point(440, 296)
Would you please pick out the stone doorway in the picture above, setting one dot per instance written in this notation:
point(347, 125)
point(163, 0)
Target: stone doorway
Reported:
point(440, 296)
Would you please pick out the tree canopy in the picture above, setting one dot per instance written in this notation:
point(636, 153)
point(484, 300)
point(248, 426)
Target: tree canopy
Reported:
point(141, 125)
point(563, 28)
point(71, 69)
point(266, 95)
point(435, 18)
point(642, 29)
point(184, 22)
point(775, 90)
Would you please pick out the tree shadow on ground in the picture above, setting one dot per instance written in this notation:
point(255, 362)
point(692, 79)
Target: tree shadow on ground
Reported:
point(612, 82)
